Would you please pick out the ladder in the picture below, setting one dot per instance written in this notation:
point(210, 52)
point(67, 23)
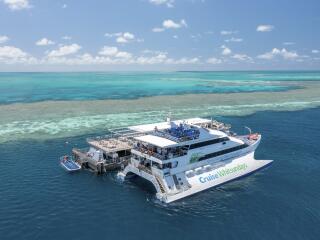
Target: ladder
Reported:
point(160, 184)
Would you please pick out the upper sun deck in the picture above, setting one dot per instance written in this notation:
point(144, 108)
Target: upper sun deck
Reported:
point(166, 125)
point(177, 133)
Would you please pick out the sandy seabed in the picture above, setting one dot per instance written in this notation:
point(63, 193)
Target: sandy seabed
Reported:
point(49, 119)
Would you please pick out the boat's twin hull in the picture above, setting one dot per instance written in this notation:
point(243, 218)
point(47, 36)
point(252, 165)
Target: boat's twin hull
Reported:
point(230, 171)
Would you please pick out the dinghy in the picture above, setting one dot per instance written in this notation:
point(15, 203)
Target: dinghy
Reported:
point(69, 164)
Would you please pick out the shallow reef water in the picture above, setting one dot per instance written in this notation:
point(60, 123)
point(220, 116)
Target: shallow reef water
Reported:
point(44, 115)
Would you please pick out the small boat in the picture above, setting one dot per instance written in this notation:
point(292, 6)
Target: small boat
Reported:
point(69, 164)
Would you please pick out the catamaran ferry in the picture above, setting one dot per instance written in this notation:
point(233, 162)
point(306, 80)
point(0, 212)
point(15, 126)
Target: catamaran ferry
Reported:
point(183, 157)
point(179, 158)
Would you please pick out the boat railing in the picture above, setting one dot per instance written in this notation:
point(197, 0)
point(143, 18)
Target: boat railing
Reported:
point(145, 169)
point(160, 156)
point(225, 127)
point(119, 159)
point(82, 150)
point(250, 138)
point(176, 138)
point(117, 133)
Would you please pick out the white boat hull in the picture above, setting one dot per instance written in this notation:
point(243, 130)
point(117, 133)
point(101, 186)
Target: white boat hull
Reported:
point(233, 170)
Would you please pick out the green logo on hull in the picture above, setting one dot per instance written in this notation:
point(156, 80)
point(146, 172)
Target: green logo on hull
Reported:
point(195, 157)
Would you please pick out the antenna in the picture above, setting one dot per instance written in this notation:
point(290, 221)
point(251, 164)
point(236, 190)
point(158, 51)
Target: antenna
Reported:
point(169, 117)
point(249, 129)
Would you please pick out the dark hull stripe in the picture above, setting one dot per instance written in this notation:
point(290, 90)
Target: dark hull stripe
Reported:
point(209, 142)
point(222, 152)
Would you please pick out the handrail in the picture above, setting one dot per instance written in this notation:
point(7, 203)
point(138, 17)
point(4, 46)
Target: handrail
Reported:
point(158, 155)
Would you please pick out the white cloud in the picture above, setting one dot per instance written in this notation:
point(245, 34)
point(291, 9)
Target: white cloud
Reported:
point(114, 52)
point(118, 34)
point(66, 38)
point(265, 28)
point(128, 35)
point(125, 37)
point(225, 50)
point(196, 37)
point(121, 40)
point(170, 24)
point(315, 51)
point(157, 29)
point(124, 55)
point(168, 3)
point(227, 32)
point(64, 50)
point(112, 55)
point(214, 60)
point(156, 57)
point(108, 51)
point(106, 56)
point(4, 39)
point(11, 52)
point(17, 4)
point(288, 43)
point(234, 40)
point(242, 57)
point(183, 61)
point(44, 42)
point(14, 55)
point(284, 53)
point(153, 52)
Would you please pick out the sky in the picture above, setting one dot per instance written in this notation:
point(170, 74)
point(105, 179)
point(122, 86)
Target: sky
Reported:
point(161, 35)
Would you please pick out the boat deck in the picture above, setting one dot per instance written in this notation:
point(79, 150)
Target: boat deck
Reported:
point(100, 166)
point(111, 145)
point(113, 151)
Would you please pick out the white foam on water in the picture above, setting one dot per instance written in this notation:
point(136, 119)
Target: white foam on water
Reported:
point(44, 128)
point(50, 119)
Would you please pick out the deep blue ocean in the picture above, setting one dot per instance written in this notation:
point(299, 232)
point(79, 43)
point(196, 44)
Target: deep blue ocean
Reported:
point(39, 200)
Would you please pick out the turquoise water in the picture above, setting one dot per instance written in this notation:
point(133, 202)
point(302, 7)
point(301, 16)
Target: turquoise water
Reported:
point(32, 87)
point(38, 200)
point(51, 105)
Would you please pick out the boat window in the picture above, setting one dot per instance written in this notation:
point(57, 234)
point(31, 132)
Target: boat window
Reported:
point(190, 174)
point(225, 151)
point(199, 171)
point(209, 142)
point(208, 168)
